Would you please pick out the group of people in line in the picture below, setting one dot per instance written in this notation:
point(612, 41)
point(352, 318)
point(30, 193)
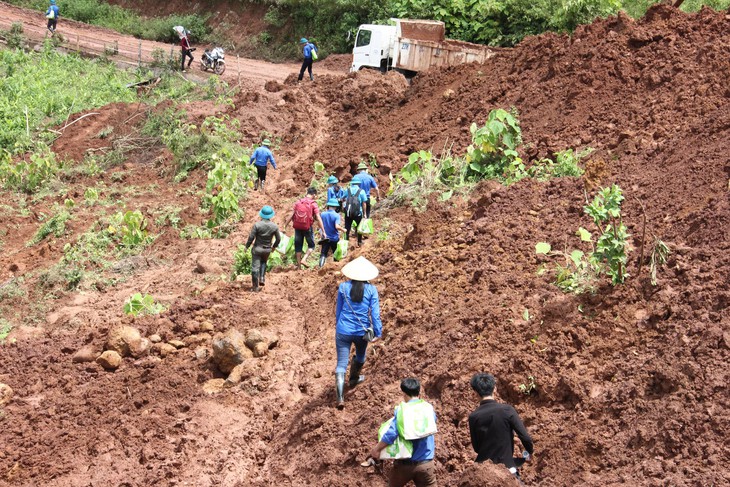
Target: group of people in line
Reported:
point(358, 323)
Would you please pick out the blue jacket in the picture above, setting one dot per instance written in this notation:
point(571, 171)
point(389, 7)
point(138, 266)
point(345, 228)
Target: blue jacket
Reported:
point(336, 195)
point(367, 182)
point(308, 50)
point(422, 449)
point(330, 220)
point(55, 9)
point(347, 320)
point(262, 155)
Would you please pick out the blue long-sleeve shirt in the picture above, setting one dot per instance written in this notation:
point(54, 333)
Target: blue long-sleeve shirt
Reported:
point(262, 156)
point(308, 50)
point(338, 195)
point(56, 11)
point(367, 182)
point(369, 307)
point(423, 448)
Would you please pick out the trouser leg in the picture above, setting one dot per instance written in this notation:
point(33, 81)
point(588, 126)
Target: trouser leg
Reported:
point(343, 344)
point(424, 475)
point(309, 68)
point(301, 71)
point(348, 227)
point(255, 270)
point(367, 208)
point(400, 475)
point(357, 220)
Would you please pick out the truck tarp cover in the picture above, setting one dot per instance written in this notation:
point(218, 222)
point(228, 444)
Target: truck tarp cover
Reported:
point(423, 30)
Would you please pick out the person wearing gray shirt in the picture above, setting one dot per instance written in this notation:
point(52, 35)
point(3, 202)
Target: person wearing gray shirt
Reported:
point(261, 236)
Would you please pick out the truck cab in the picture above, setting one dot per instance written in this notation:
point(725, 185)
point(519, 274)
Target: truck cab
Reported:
point(373, 46)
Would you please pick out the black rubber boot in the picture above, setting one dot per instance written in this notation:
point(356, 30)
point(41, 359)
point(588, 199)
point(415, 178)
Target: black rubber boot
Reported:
point(256, 185)
point(355, 377)
point(340, 389)
point(322, 260)
point(255, 284)
point(262, 274)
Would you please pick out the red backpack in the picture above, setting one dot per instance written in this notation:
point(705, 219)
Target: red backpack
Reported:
point(303, 217)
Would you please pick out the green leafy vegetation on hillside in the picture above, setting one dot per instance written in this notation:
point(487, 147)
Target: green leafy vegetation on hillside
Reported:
point(126, 21)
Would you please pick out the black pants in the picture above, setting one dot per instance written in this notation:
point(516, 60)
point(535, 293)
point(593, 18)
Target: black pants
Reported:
point(261, 173)
point(186, 52)
point(259, 258)
point(306, 65)
point(52, 25)
point(300, 236)
point(367, 208)
point(328, 245)
point(348, 226)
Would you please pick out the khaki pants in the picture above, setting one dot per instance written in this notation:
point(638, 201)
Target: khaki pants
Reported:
point(421, 474)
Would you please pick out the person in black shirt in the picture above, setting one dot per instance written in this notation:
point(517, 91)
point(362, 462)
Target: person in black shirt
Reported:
point(492, 424)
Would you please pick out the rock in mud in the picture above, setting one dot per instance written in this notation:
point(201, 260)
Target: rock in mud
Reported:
point(110, 360)
point(487, 474)
point(207, 326)
point(214, 386)
point(124, 340)
point(254, 337)
point(229, 350)
point(261, 349)
point(177, 343)
point(165, 349)
point(85, 354)
point(6, 394)
point(206, 265)
point(155, 338)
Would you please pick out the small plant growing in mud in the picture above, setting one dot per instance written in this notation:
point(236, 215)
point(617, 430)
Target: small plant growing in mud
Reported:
point(608, 253)
point(137, 305)
point(223, 190)
point(494, 146)
point(54, 225)
point(659, 255)
point(130, 229)
point(529, 386)
point(91, 196)
point(241, 262)
point(27, 176)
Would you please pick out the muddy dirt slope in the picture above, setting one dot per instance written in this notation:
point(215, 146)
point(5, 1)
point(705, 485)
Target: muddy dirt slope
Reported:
point(630, 383)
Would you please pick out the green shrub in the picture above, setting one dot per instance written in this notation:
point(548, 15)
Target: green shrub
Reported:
point(27, 176)
point(138, 305)
point(54, 225)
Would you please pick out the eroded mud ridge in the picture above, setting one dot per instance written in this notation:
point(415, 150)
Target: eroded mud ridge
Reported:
point(631, 382)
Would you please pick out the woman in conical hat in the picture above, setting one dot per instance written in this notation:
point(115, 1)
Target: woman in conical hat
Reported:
point(358, 309)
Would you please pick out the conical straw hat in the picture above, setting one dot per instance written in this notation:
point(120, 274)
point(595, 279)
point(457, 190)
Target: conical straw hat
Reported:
point(360, 269)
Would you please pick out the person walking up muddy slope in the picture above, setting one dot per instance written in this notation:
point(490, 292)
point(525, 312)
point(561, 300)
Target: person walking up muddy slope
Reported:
point(309, 51)
point(332, 229)
point(414, 421)
point(52, 15)
point(492, 427)
point(305, 213)
point(367, 184)
point(261, 158)
point(357, 317)
point(261, 236)
point(354, 208)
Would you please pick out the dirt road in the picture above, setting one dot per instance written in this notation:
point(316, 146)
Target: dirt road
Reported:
point(126, 49)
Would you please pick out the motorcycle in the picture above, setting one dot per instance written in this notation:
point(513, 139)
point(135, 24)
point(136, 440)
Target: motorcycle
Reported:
point(213, 59)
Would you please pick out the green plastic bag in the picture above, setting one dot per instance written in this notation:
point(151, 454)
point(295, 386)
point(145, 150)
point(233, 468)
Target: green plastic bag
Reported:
point(365, 227)
point(284, 244)
point(341, 250)
point(400, 449)
point(416, 419)
point(314, 54)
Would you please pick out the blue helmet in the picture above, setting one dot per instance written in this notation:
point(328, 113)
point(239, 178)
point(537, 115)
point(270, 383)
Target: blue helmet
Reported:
point(266, 212)
point(303, 40)
point(53, 2)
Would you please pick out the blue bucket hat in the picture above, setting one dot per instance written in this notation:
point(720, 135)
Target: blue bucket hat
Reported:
point(333, 202)
point(266, 212)
point(53, 2)
point(303, 40)
point(332, 180)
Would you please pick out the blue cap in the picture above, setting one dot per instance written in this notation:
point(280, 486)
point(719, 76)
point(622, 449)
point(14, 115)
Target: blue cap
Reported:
point(266, 212)
point(356, 181)
point(303, 40)
point(332, 180)
point(333, 202)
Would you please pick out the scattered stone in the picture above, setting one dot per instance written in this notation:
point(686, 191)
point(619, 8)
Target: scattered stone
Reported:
point(448, 93)
point(202, 353)
point(124, 340)
point(206, 265)
point(214, 386)
point(155, 338)
point(110, 360)
point(255, 336)
point(166, 349)
point(142, 349)
point(207, 326)
point(177, 343)
point(85, 354)
point(261, 349)
point(6, 394)
point(229, 350)
point(234, 378)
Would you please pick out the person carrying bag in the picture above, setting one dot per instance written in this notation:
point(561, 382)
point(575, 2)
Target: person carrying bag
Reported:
point(357, 322)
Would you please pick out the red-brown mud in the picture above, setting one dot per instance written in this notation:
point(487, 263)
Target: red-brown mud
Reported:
point(631, 382)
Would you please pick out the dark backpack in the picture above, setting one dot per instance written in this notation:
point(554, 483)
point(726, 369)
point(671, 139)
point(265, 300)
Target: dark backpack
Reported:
point(303, 219)
point(353, 206)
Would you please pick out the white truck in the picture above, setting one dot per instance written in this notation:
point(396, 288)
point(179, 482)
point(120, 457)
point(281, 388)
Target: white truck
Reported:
point(410, 46)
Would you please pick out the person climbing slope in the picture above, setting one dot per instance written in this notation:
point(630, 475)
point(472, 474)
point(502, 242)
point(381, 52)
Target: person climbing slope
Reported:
point(305, 213)
point(367, 183)
point(354, 207)
point(335, 191)
point(261, 236)
point(332, 229)
point(261, 158)
point(307, 50)
point(52, 15)
point(357, 317)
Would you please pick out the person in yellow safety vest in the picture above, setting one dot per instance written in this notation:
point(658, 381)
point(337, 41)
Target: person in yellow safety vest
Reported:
point(414, 420)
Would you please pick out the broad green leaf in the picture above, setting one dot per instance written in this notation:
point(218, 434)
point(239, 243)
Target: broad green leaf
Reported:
point(542, 248)
point(576, 256)
point(584, 234)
